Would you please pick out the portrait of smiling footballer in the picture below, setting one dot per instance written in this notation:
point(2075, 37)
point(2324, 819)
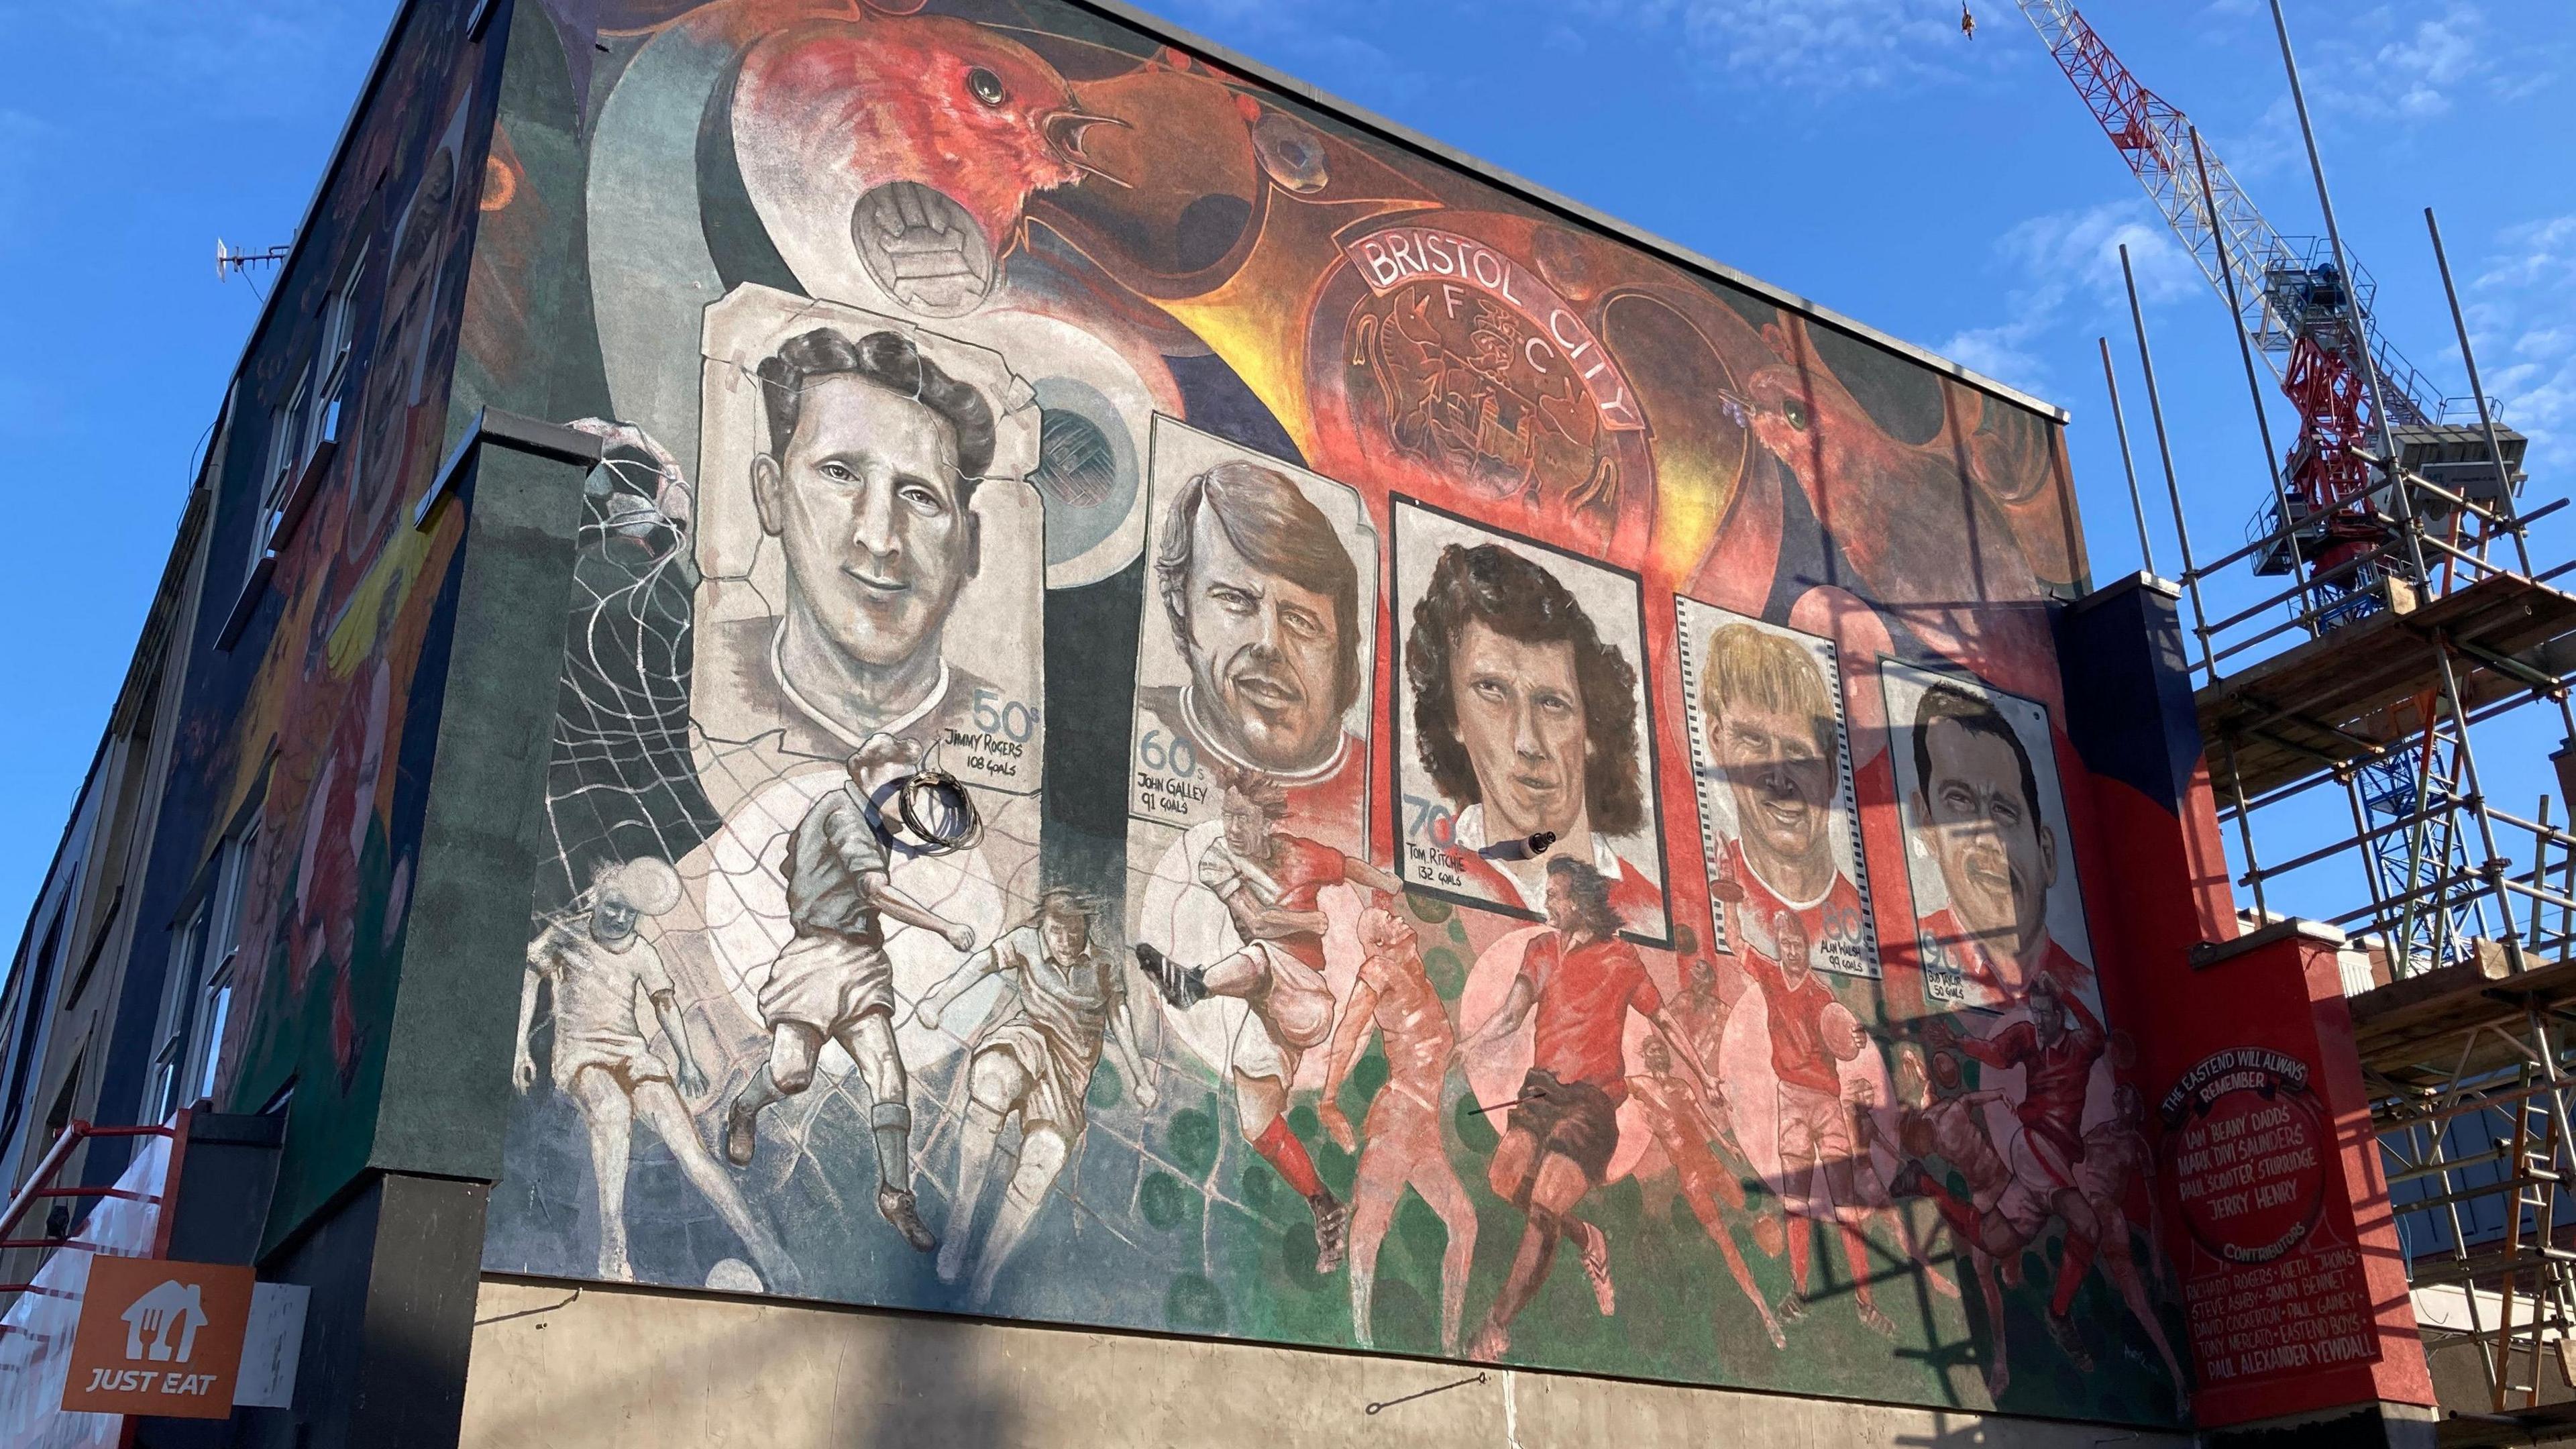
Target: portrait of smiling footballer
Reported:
point(1771, 765)
point(868, 551)
point(1257, 647)
point(1995, 899)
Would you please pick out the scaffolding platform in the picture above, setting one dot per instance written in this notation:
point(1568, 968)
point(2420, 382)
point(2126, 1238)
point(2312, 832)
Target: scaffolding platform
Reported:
point(2542, 1424)
point(2348, 696)
point(2412, 1033)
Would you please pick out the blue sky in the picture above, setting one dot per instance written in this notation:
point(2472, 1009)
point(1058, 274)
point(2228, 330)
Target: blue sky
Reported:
point(1952, 192)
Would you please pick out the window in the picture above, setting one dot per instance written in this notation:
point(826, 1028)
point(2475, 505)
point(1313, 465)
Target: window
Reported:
point(32, 1018)
point(196, 1002)
point(340, 328)
point(206, 1042)
point(207, 1048)
point(178, 995)
point(286, 452)
point(65, 1102)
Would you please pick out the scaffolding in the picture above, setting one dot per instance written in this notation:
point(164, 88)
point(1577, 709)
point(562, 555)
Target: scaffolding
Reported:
point(2394, 632)
point(2384, 624)
point(2461, 964)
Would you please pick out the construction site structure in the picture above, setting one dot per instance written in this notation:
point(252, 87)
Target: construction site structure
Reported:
point(2400, 617)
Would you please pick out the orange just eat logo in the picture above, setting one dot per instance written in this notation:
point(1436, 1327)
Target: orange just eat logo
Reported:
point(158, 1337)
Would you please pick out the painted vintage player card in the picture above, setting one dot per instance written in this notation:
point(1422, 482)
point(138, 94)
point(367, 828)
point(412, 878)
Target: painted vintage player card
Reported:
point(1521, 723)
point(831, 606)
point(1988, 853)
point(1771, 767)
point(1259, 638)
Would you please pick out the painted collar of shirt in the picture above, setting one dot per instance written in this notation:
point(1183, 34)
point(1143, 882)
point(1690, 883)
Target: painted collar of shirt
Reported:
point(1744, 860)
point(1469, 834)
point(1206, 740)
point(1942, 931)
point(1029, 945)
point(900, 723)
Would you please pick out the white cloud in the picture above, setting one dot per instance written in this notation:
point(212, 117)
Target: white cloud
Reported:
point(232, 53)
point(1819, 47)
point(2532, 254)
point(2523, 319)
point(2270, 147)
point(2373, 76)
point(2436, 54)
point(2383, 65)
point(2066, 267)
point(1308, 35)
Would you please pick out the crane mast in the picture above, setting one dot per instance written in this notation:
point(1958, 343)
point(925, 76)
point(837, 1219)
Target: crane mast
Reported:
point(2311, 324)
point(2382, 507)
point(2313, 327)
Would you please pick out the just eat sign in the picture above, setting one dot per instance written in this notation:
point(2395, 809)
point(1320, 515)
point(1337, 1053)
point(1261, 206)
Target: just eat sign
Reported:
point(158, 1337)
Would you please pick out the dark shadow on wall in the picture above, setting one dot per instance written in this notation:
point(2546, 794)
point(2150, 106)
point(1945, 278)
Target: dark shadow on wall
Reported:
point(897, 1381)
point(392, 1266)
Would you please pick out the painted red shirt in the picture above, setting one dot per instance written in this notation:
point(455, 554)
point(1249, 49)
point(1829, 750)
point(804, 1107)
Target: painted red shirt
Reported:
point(1837, 924)
point(1583, 1001)
point(1328, 802)
point(1798, 1054)
point(1303, 869)
point(1333, 804)
point(1959, 971)
point(2055, 1077)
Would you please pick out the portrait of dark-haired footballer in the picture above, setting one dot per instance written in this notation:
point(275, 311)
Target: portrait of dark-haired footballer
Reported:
point(868, 488)
point(1522, 738)
point(1993, 877)
point(870, 580)
point(869, 549)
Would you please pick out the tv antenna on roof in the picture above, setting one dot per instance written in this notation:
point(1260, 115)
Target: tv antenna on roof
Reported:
point(228, 261)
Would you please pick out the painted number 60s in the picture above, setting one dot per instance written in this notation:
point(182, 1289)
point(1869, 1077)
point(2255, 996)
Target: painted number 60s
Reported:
point(1180, 757)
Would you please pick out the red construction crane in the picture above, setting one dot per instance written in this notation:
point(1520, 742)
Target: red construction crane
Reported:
point(2310, 323)
point(2334, 509)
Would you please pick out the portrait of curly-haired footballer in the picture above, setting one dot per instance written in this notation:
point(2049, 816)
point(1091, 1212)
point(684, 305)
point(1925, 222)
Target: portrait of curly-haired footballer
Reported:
point(1522, 728)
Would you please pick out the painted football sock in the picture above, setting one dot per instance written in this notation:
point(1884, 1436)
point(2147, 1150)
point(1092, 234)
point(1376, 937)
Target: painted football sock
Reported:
point(2071, 1268)
point(1280, 1148)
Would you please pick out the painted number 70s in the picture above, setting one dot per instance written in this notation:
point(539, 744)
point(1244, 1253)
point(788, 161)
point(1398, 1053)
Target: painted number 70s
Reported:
point(1431, 820)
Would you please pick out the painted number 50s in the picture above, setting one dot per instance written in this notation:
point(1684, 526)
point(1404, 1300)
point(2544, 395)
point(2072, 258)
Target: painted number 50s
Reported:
point(1010, 719)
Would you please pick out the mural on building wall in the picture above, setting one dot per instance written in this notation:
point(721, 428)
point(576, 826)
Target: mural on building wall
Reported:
point(1175, 717)
point(313, 746)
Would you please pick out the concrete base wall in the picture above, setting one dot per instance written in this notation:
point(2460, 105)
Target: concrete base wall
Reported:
point(565, 1366)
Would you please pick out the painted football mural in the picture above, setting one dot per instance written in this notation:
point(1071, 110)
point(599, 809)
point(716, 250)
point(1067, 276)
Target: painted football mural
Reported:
point(1178, 716)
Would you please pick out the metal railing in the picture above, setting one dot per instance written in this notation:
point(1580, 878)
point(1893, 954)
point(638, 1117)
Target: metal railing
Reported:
point(40, 1188)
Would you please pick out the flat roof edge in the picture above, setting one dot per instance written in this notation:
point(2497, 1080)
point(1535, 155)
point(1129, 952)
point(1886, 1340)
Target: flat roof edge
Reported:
point(1405, 136)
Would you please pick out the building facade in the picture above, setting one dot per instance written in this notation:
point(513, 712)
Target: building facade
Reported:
point(955, 720)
